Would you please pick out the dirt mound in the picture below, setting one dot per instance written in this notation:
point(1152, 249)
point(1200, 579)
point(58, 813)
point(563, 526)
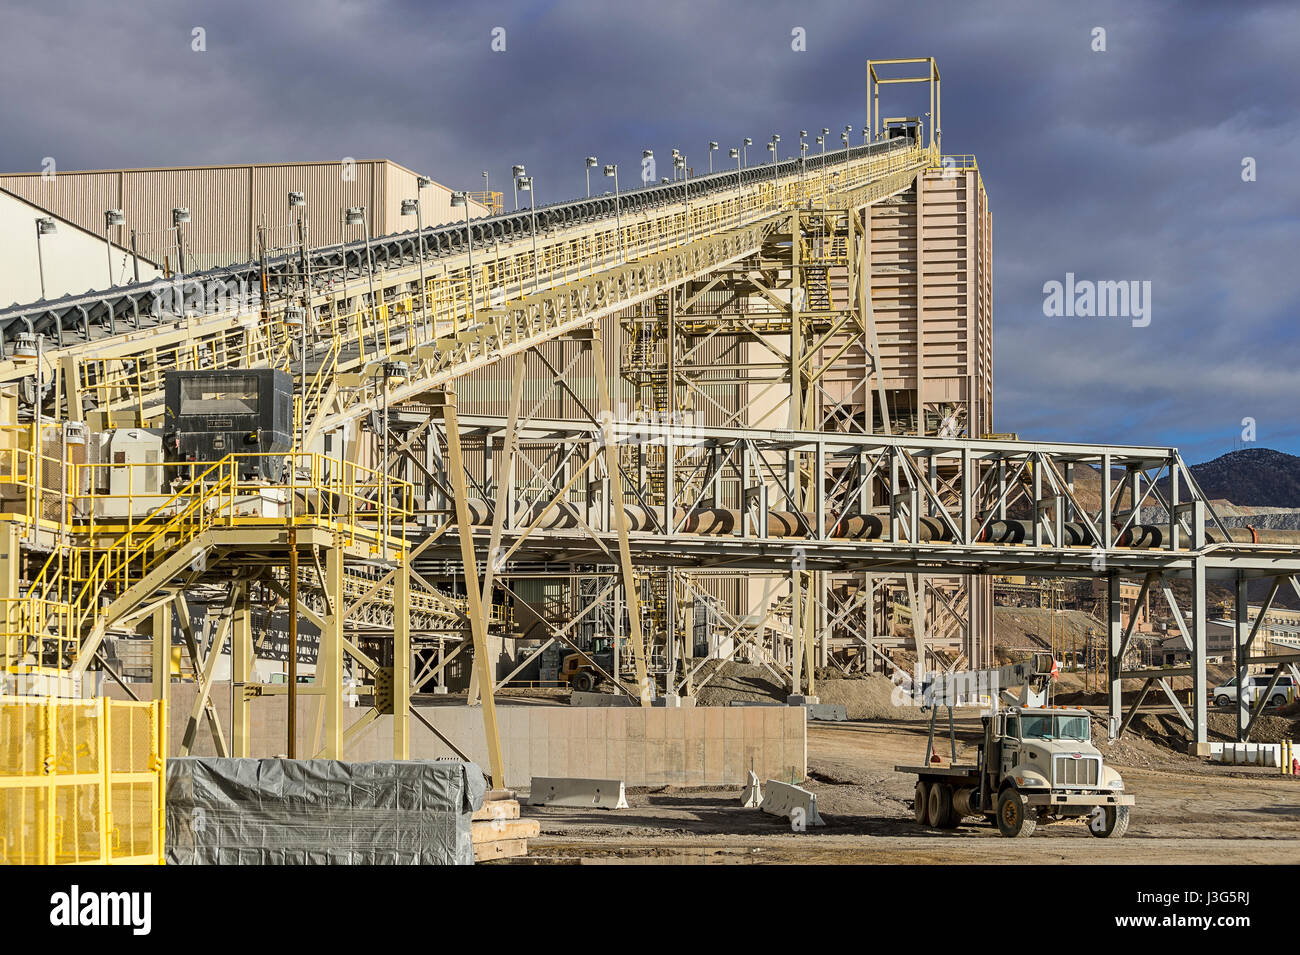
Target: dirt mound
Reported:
point(1031, 628)
point(732, 682)
point(864, 698)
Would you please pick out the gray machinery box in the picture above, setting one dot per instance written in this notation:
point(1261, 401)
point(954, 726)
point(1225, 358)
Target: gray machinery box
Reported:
point(247, 411)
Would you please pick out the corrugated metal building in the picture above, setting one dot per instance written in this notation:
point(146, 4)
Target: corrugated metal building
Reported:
point(68, 261)
point(228, 203)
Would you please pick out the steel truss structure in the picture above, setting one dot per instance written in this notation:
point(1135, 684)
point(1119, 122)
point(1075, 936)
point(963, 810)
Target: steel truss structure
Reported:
point(409, 561)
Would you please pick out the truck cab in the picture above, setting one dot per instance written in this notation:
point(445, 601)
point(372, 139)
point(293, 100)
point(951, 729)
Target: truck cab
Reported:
point(1041, 765)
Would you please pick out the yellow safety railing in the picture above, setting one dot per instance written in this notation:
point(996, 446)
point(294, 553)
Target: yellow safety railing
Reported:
point(81, 781)
point(490, 199)
point(146, 526)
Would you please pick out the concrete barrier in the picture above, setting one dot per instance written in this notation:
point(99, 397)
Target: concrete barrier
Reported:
point(793, 802)
point(828, 712)
point(752, 796)
point(578, 793)
point(1247, 754)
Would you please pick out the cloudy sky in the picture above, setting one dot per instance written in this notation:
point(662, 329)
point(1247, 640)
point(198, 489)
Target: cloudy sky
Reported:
point(1117, 165)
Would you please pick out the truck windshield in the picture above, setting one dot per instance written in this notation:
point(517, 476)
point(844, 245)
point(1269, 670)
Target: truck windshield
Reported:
point(1053, 726)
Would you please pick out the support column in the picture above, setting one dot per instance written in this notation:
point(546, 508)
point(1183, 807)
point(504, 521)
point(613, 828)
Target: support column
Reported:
point(402, 661)
point(329, 664)
point(241, 664)
point(1115, 643)
point(609, 447)
point(1200, 740)
point(473, 595)
point(162, 654)
point(1241, 654)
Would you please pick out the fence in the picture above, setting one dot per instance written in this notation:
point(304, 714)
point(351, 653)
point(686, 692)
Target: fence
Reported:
point(81, 781)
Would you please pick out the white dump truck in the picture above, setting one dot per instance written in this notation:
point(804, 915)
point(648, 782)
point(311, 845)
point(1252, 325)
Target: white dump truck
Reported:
point(1035, 764)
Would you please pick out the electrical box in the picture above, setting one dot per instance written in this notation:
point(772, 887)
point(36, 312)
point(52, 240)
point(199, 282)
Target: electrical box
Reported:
point(245, 412)
point(128, 478)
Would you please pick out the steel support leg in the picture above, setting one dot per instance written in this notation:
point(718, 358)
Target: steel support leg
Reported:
point(1241, 655)
point(1200, 741)
point(329, 664)
point(241, 665)
point(610, 449)
point(473, 594)
point(1115, 633)
point(162, 654)
point(402, 661)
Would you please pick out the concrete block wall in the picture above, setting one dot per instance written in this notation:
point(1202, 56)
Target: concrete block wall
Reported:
point(643, 746)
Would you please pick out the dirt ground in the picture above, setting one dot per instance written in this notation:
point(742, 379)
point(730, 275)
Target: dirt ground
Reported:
point(1187, 812)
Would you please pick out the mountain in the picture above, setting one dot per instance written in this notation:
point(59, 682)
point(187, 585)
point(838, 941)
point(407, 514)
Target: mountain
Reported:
point(1252, 477)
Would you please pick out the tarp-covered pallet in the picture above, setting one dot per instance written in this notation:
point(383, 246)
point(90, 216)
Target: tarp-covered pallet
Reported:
point(224, 811)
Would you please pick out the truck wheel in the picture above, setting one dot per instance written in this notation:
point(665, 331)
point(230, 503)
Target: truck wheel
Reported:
point(1222, 700)
point(940, 806)
point(1278, 700)
point(1112, 822)
point(921, 802)
point(1014, 818)
point(583, 682)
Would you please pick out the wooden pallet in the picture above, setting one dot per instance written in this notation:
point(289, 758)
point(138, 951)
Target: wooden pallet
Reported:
point(496, 829)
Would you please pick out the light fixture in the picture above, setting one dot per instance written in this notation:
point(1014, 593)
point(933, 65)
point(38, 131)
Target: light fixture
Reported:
point(424, 182)
point(411, 207)
point(297, 200)
point(180, 214)
point(354, 215)
point(295, 316)
point(46, 226)
point(25, 345)
point(114, 217)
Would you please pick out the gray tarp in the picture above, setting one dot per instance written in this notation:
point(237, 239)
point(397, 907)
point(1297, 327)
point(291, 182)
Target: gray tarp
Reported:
point(223, 811)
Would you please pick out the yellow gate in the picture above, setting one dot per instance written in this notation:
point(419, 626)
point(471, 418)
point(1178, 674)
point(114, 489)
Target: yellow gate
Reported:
point(81, 781)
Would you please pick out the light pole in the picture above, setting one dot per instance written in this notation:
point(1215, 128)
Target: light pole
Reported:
point(680, 163)
point(356, 215)
point(744, 151)
point(422, 183)
point(461, 199)
point(487, 188)
point(776, 202)
point(821, 141)
point(515, 173)
point(591, 162)
point(298, 313)
point(712, 148)
point(180, 215)
point(776, 168)
point(525, 184)
point(740, 196)
point(803, 165)
point(611, 170)
point(44, 226)
point(413, 207)
point(112, 217)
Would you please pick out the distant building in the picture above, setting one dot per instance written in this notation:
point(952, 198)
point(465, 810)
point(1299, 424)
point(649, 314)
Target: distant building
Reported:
point(227, 204)
point(73, 258)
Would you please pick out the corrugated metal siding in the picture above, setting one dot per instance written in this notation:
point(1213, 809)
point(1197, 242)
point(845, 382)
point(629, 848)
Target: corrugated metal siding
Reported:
point(228, 203)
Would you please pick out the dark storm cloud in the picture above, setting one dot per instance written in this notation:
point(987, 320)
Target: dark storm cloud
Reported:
point(1117, 165)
